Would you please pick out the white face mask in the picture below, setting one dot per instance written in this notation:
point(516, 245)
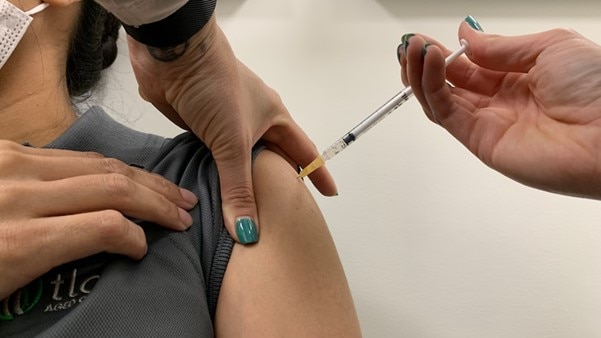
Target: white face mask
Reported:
point(13, 25)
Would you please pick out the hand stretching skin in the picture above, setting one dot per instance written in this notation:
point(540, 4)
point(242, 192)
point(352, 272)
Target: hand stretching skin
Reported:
point(60, 206)
point(208, 91)
point(527, 106)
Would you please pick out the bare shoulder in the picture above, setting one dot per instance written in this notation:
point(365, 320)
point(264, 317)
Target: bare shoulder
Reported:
point(291, 283)
point(276, 185)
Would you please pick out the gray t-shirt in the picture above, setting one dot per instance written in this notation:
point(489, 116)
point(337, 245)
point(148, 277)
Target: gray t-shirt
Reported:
point(172, 292)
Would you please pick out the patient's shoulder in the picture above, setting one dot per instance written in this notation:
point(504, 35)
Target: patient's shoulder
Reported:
point(291, 283)
point(276, 184)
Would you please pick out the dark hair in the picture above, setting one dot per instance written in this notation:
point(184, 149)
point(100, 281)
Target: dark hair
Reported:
point(93, 48)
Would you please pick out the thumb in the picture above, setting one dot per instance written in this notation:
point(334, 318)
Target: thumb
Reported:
point(237, 194)
point(505, 53)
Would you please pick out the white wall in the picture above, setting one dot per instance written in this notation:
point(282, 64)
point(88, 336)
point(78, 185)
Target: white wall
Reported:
point(434, 243)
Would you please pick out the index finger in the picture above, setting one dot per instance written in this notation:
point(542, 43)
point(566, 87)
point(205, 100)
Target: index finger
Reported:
point(463, 72)
point(13, 146)
point(60, 164)
point(450, 110)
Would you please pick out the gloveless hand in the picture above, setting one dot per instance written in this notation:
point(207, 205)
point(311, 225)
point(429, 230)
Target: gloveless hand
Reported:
point(210, 92)
point(528, 106)
point(57, 206)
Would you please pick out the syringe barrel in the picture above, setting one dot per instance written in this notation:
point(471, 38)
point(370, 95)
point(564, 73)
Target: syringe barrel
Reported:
point(382, 112)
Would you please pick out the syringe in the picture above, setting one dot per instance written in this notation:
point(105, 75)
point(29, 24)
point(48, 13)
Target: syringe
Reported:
point(373, 119)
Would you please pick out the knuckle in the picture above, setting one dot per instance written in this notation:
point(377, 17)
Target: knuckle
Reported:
point(10, 193)
point(10, 159)
point(112, 227)
point(15, 241)
point(112, 165)
point(275, 97)
point(277, 107)
point(116, 234)
point(166, 212)
point(240, 196)
point(163, 205)
point(164, 186)
point(92, 154)
point(9, 146)
point(564, 32)
point(10, 243)
point(169, 209)
point(118, 185)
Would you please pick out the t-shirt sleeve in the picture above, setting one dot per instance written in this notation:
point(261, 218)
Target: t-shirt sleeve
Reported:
point(187, 162)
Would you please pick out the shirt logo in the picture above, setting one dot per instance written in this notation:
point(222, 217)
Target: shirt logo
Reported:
point(21, 301)
point(65, 291)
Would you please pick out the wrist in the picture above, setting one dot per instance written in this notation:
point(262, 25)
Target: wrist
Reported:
point(176, 29)
point(198, 44)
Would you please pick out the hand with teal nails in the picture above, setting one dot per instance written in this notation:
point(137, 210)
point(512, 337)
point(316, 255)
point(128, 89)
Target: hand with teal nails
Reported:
point(210, 92)
point(82, 234)
point(527, 106)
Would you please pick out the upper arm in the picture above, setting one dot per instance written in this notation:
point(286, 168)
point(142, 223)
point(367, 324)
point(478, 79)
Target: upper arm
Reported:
point(291, 283)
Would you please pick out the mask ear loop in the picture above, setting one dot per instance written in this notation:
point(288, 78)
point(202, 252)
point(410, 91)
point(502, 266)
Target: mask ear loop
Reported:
point(37, 9)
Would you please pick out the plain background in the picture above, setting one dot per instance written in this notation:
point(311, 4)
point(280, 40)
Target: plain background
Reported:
point(434, 243)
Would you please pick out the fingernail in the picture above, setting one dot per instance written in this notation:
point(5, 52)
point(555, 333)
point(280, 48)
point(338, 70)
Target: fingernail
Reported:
point(402, 48)
point(473, 23)
point(425, 48)
point(405, 41)
point(188, 196)
point(185, 218)
point(246, 229)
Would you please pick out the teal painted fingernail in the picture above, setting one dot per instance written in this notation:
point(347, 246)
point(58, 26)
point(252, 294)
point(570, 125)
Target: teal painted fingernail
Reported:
point(246, 229)
point(425, 48)
point(405, 41)
point(473, 23)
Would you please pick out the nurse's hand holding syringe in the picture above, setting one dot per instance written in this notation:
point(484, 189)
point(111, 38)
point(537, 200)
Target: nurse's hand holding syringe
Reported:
point(527, 106)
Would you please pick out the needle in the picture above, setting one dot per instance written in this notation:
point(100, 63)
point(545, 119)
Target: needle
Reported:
point(373, 119)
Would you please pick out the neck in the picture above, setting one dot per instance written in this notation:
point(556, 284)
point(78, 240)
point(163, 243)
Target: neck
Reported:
point(34, 103)
point(36, 118)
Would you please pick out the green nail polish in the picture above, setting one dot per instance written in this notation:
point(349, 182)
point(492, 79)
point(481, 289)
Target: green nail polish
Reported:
point(473, 23)
point(425, 48)
point(405, 40)
point(246, 229)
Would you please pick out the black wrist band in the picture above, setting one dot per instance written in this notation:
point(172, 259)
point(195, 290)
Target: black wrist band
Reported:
point(177, 28)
